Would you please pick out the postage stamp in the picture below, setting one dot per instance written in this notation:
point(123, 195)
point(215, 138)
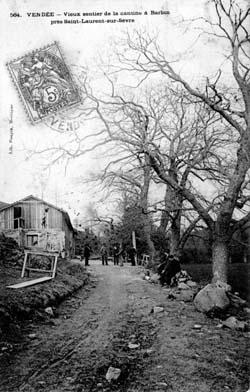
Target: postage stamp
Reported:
point(44, 82)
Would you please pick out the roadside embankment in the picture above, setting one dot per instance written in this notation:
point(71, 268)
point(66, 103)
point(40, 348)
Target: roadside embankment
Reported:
point(18, 305)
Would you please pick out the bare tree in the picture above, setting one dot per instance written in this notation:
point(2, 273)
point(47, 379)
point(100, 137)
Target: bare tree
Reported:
point(229, 23)
point(164, 124)
point(166, 128)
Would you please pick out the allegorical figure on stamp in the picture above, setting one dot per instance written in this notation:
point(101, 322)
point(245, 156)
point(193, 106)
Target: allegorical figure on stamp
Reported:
point(44, 82)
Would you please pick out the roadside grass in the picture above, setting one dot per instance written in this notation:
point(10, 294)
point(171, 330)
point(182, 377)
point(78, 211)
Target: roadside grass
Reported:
point(238, 278)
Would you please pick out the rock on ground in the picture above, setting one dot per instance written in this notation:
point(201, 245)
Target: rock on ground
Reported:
point(212, 297)
point(113, 373)
point(183, 286)
point(232, 323)
point(185, 295)
point(154, 278)
point(49, 311)
point(158, 309)
point(191, 284)
point(236, 301)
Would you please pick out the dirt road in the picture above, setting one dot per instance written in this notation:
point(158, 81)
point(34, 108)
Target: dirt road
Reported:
point(92, 330)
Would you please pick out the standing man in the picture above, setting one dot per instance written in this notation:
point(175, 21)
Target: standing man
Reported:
point(116, 255)
point(104, 255)
point(121, 256)
point(86, 254)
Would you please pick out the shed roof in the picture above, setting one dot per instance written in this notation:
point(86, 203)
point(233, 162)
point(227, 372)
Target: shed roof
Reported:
point(3, 205)
point(30, 197)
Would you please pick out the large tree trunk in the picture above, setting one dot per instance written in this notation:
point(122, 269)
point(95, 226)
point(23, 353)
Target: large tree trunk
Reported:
point(175, 239)
point(147, 234)
point(175, 200)
point(144, 207)
point(220, 260)
point(164, 215)
point(222, 228)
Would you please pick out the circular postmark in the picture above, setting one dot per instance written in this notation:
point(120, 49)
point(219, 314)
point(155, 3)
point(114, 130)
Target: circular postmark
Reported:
point(69, 118)
point(68, 121)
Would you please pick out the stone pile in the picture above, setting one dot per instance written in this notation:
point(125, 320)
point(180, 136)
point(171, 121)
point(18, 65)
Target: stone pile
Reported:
point(183, 287)
point(215, 299)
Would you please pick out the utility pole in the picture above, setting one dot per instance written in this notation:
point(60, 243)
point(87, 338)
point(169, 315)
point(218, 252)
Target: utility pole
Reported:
point(134, 244)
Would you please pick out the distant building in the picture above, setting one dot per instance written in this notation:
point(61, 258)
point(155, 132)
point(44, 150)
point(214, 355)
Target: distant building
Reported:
point(36, 224)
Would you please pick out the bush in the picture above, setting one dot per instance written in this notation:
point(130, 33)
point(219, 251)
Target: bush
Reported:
point(10, 252)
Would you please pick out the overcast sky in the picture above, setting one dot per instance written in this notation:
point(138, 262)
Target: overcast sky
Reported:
point(81, 44)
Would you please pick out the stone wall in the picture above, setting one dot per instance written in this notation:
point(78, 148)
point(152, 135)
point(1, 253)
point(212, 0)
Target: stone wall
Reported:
point(51, 240)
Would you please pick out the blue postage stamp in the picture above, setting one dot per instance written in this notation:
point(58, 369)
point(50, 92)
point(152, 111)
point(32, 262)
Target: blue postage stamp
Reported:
point(44, 82)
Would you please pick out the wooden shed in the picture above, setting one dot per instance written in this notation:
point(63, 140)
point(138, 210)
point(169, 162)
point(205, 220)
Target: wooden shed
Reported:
point(36, 224)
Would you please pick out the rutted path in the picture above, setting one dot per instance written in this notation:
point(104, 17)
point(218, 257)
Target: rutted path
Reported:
point(75, 353)
point(92, 332)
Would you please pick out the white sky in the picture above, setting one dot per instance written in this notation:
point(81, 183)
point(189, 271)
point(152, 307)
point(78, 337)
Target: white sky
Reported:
point(80, 45)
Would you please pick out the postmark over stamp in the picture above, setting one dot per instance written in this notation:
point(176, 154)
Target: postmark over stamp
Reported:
point(44, 82)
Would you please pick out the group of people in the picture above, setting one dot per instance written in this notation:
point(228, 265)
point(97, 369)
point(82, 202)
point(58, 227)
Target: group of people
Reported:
point(120, 255)
point(168, 268)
